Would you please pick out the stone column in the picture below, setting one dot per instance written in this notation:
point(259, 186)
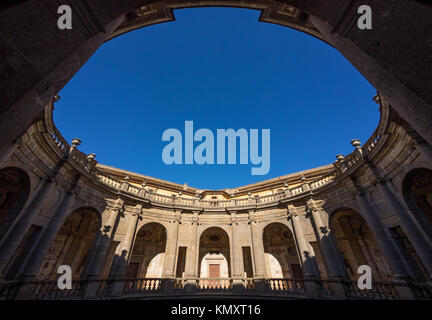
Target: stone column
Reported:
point(12, 238)
point(37, 255)
point(415, 232)
point(171, 253)
point(409, 224)
point(388, 247)
point(191, 271)
point(258, 252)
point(171, 248)
point(236, 254)
point(99, 251)
point(304, 252)
point(335, 266)
point(48, 236)
point(124, 251)
point(384, 241)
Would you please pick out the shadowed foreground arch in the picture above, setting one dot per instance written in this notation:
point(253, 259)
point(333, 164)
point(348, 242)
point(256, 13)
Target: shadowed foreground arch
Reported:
point(14, 192)
point(49, 57)
point(72, 245)
point(357, 244)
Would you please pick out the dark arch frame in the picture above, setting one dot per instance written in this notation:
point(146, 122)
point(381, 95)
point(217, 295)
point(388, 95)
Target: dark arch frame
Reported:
point(19, 203)
point(405, 86)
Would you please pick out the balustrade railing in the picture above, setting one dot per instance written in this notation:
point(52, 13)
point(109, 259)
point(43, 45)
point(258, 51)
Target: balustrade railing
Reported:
point(49, 290)
point(379, 290)
point(214, 283)
point(286, 286)
point(142, 285)
point(137, 287)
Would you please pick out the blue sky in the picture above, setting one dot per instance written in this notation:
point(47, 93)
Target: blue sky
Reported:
point(220, 68)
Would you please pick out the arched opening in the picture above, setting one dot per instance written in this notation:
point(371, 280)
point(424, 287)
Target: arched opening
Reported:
point(14, 191)
point(73, 243)
point(214, 261)
point(282, 260)
point(148, 254)
point(357, 245)
point(417, 192)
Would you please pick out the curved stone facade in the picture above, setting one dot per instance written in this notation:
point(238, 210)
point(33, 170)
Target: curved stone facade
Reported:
point(305, 233)
point(302, 235)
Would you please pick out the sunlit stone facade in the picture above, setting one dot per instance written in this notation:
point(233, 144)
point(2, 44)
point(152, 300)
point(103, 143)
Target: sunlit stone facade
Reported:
point(132, 236)
point(303, 234)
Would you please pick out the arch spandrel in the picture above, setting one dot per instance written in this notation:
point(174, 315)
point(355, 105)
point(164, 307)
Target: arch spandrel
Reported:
point(271, 12)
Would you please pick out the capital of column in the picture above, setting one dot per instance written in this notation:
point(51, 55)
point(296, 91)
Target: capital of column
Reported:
point(176, 217)
point(292, 211)
point(233, 217)
point(253, 218)
point(311, 206)
point(195, 216)
point(137, 210)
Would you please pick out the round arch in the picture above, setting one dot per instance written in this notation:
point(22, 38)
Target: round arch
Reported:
point(148, 253)
point(214, 260)
point(280, 249)
point(357, 244)
point(417, 193)
point(73, 243)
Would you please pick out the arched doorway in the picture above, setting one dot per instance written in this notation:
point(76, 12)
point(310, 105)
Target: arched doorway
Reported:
point(214, 260)
point(357, 245)
point(148, 252)
point(14, 191)
point(73, 243)
point(280, 251)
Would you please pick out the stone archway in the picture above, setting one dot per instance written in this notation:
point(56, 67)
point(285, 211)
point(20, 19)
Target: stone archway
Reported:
point(394, 63)
point(72, 244)
point(417, 193)
point(14, 191)
point(148, 254)
point(358, 245)
point(282, 259)
point(214, 260)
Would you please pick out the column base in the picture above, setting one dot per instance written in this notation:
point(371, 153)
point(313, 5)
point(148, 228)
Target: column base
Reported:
point(260, 285)
point(168, 285)
point(338, 288)
point(237, 285)
point(311, 287)
point(91, 288)
point(26, 290)
point(404, 291)
point(117, 288)
point(190, 285)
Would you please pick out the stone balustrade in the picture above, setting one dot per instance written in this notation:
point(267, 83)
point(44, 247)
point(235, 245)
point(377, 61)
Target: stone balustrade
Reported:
point(140, 287)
